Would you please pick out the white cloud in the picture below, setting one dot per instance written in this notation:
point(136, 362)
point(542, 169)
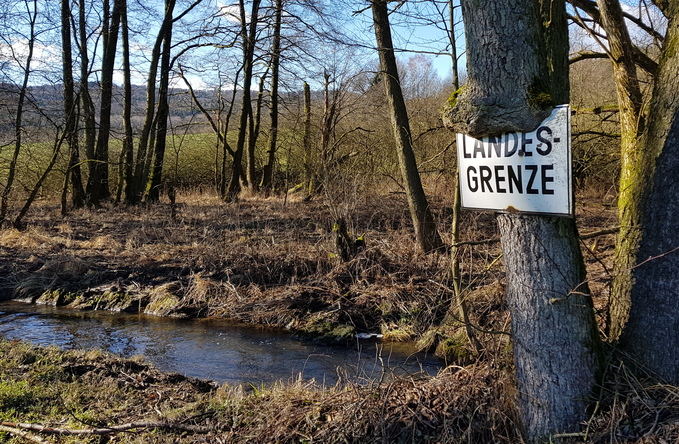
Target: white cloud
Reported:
point(230, 12)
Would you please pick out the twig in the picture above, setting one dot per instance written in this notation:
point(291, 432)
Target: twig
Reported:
point(106, 430)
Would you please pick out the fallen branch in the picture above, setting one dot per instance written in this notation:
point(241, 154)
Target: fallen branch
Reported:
point(24, 435)
point(603, 232)
point(19, 426)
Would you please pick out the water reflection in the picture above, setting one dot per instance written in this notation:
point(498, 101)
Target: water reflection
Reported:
point(212, 349)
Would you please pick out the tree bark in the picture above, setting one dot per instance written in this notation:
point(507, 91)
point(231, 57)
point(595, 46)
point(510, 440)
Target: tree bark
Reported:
point(652, 331)
point(73, 173)
point(248, 38)
point(18, 120)
point(156, 179)
point(98, 182)
point(267, 178)
point(633, 161)
point(126, 167)
point(511, 45)
point(486, 107)
point(425, 228)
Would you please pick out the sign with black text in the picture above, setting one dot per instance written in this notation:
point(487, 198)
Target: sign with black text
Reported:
point(520, 172)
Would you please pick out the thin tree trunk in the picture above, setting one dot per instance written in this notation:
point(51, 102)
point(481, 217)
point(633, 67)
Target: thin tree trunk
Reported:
point(267, 178)
point(327, 122)
point(142, 162)
point(308, 171)
point(253, 136)
point(98, 183)
point(18, 121)
point(126, 167)
point(248, 37)
point(425, 228)
point(18, 221)
point(87, 104)
point(633, 159)
point(156, 179)
point(73, 173)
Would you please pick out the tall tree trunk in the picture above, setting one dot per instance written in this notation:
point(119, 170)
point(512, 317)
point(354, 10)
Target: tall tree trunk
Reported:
point(253, 135)
point(126, 167)
point(98, 183)
point(267, 178)
point(155, 181)
point(460, 311)
point(652, 332)
point(327, 124)
point(453, 45)
point(425, 228)
point(142, 161)
point(18, 120)
point(512, 88)
point(633, 160)
point(73, 173)
point(248, 38)
point(308, 171)
point(87, 104)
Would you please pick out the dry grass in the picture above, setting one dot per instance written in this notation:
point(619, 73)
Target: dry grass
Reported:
point(269, 262)
point(89, 390)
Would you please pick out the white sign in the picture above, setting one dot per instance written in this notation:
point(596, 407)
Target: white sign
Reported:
point(526, 172)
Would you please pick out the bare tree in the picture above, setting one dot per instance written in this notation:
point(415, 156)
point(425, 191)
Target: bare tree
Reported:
point(98, 181)
point(267, 177)
point(73, 174)
point(425, 228)
point(31, 10)
point(155, 180)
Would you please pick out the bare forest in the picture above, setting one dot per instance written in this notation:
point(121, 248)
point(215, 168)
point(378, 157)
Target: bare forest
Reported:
point(292, 165)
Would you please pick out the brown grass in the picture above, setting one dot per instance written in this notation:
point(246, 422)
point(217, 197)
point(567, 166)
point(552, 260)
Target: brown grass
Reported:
point(271, 262)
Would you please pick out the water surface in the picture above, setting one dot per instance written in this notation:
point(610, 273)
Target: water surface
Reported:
point(209, 348)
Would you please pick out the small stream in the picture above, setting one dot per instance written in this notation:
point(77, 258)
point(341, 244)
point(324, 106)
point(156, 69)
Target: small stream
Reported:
point(209, 348)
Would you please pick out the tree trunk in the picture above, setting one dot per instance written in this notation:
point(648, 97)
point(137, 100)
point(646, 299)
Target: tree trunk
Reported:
point(156, 179)
point(141, 165)
point(73, 173)
point(253, 135)
point(511, 88)
point(98, 183)
point(633, 160)
point(308, 171)
point(248, 38)
point(126, 167)
point(87, 104)
point(18, 120)
point(652, 331)
point(425, 228)
point(267, 178)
